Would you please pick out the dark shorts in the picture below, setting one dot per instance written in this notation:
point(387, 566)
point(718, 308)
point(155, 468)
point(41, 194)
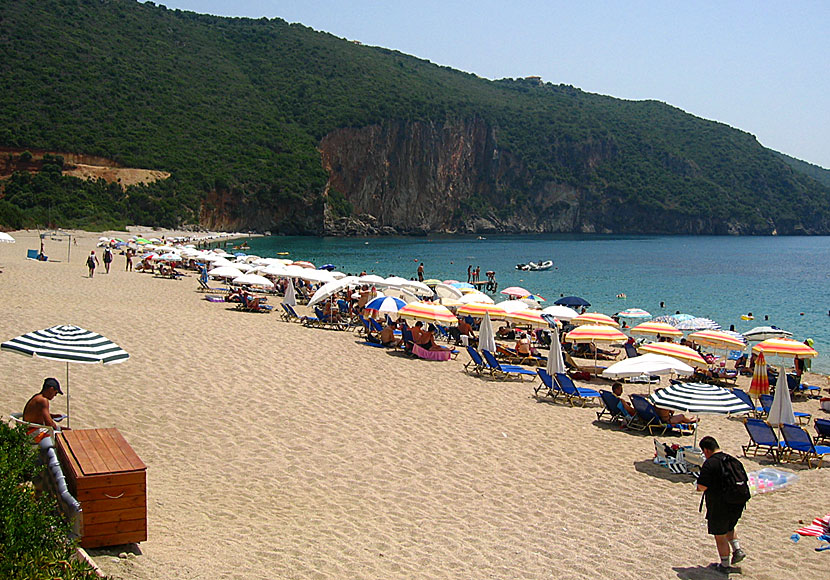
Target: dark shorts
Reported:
point(724, 519)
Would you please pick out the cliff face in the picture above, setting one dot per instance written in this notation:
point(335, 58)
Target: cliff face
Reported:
point(448, 177)
point(234, 210)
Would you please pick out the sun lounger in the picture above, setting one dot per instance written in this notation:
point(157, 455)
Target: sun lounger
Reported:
point(547, 382)
point(743, 396)
point(425, 354)
point(574, 393)
point(476, 363)
point(205, 287)
point(822, 430)
point(613, 410)
point(766, 402)
point(647, 415)
point(762, 438)
point(254, 305)
point(514, 357)
point(798, 388)
point(798, 442)
point(288, 313)
point(501, 371)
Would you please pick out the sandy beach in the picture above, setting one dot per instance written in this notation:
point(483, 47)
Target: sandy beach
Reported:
point(279, 451)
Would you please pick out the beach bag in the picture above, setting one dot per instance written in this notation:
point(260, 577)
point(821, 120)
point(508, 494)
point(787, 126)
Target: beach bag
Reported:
point(735, 481)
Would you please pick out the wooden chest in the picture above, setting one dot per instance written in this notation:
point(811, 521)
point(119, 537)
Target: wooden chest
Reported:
point(109, 480)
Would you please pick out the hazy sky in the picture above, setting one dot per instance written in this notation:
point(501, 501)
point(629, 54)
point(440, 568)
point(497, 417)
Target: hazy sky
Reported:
point(760, 66)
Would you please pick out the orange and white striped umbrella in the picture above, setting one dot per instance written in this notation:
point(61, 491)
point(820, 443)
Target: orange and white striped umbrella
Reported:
point(428, 311)
point(717, 339)
point(656, 328)
point(479, 309)
point(784, 347)
point(527, 316)
point(595, 318)
point(678, 351)
point(595, 333)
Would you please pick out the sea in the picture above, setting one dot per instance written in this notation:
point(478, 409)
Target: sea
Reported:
point(782, 281)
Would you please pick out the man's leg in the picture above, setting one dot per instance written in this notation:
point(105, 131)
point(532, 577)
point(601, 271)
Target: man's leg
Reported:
point(722, 542)
point(738, 554)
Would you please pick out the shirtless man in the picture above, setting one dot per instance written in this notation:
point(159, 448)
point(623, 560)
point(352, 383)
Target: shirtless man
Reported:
point(37, 408)
point(387, 335)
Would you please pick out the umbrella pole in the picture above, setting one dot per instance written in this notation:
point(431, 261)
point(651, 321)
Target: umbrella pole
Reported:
point(67, 393)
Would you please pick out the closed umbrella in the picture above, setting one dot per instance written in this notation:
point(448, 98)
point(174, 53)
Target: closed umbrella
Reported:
point(486, 336)
point(760, 379)
point(556, 363)
point(290, 297)
point(68, 343)
point(781, 410)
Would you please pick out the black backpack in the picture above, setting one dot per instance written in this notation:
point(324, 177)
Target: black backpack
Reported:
point(735, 481)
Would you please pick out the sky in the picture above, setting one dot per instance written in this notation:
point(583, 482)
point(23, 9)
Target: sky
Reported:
point(760, 66)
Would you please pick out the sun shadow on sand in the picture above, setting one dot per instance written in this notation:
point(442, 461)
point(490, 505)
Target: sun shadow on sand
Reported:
point(650, 468)
point(701, 573)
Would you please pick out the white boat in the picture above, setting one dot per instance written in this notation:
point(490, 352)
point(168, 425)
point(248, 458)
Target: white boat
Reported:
point(535, 266)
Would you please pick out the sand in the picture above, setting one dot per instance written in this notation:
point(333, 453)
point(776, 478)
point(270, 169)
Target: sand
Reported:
point(279, 451)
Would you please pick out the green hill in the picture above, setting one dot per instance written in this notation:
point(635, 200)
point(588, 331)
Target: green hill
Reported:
point(273, 126)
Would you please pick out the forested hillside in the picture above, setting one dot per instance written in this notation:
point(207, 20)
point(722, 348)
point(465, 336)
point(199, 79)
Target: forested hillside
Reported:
point(273, 126)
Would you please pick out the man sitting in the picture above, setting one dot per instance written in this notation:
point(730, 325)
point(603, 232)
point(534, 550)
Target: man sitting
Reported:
point(37, 408)
point(387, 335)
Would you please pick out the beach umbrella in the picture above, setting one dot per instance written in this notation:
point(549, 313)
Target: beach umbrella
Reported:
point(516, 291)
point(512, 305)
point(634, 313)
point(303, 264)
point(401, 293)
point(595, 318)
point(657, 329)
point(760, 333)
point(329, 289)
point(698, 323)
point(317, 275)
point(290, 297)
point(476, 297)
point(372, 280)
point(760, 379)
point(784, 347)
point(673, 319)
point(68, 343)
point(395, 281)
point(253, 280)
point(418, 288)
point(561, 312)
point(428, 311)
point(459, 285)
point(432, 282)
point(527, 317)
point(647, 364)
point(678, 351)
point(447, 291)
point(225, 272)
point(479, 309)
point(170, 257)
point(385, 304)
point(556, 363)
point(572, 302)
point(593, 334)
point(781, 410)
point(6, 238)
point(718, 339)
point(486, 336)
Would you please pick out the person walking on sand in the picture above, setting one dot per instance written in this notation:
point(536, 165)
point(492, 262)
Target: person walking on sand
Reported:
point(724, 483)
point(128, 267)
point(421, 272)
point(107, 259)
point(91, 262)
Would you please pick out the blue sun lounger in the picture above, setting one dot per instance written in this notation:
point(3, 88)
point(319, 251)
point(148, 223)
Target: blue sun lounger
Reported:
point(651, 420)
point(501, 371)
point(547, 382)
point(762, 438)
point(798, 441)
point(574, 393)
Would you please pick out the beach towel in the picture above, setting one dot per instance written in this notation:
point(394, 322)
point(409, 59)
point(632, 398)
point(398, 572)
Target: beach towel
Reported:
point(819, 527)
point(210, 298)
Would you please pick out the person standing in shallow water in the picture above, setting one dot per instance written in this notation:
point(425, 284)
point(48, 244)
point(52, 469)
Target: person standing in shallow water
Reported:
point(469, 273)
point(421, 272)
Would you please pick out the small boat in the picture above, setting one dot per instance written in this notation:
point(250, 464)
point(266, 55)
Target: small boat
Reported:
point(242, 247)
point(535, 266)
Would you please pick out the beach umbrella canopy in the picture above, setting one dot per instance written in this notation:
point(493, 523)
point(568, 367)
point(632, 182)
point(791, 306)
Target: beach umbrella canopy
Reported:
point(516, 291)
point(760, 333)
point(647, 364)
point(447, 291)
point(477, 298)
point(401, 293)
point(781, 410)
point(6, 238)
point(784, 347)
point(561, 312)
point(225, 272)
point(290, 297)
point(556, 363)
point(527, 317)
point(418, 288)
point(253, 280)
point(329, 289)
point(68, 343)
point(395, 281)
point(317, 275)
point(678, 351)
point(592, 333)
point(428, 311)
point(303, 264)
point(512, 305)
point(634, 313)
point(718, 339)
point(479, 309)
point(698, 323)
point(170, 257)
point(656, 329)
point(595, 318)
point(432, 282)
point(572, 301)
point(486, 336)
point(698, 398)
point(385, 304)
point(372, 280)
point(760, 379)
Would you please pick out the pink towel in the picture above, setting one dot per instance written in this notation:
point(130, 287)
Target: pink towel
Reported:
point(430, 354)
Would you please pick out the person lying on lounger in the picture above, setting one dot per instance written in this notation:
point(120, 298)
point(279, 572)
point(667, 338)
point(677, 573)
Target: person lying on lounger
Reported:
point(672, 418)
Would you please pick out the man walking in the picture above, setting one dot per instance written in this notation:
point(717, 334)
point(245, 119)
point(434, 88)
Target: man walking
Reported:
point(724, 483)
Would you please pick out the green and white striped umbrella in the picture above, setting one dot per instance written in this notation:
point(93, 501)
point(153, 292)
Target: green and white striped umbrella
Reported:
point(67, 343)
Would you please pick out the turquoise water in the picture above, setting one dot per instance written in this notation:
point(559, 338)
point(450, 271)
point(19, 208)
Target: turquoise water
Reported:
point(784, 278)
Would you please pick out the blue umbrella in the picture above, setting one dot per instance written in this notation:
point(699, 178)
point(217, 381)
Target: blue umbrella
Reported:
point(386, 304)
point(462, 285)
point(572, 301)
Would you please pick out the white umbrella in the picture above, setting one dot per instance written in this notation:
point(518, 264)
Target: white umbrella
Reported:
point(6, 238)
point(225, 272)
point(556, 363)
point(395, 281)
point(761, 333)
point(561, 312)
point(317, 275)
point(698, 324)
point(447, 291)
point(253, 280)
point(511, 305)
point(647, 364)
point(486, 336)
point(781, 410)
point(372, 279)
point(401, 293)
point(290, 297)
point(478, 298)
point(331, 288)
point(418, 288)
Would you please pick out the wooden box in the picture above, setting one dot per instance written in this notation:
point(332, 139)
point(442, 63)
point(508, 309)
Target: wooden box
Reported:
point(109, 480)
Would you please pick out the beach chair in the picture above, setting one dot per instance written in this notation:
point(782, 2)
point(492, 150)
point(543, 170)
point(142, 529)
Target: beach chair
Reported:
point(630, 351)
point(797, 388)
point(574, 393)
point(35, 431)
point(822, 430)
point(797, 441)
point(766, 402)
point(254, 305)
point(501, 371)
point(547, 382)
point(744, 396)
point(762, 437)
point(613, 410)
point(647, 415)
point(476, 363)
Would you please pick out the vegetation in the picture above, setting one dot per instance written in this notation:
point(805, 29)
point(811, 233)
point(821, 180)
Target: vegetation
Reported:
point(235, 108)
point(33, 540)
